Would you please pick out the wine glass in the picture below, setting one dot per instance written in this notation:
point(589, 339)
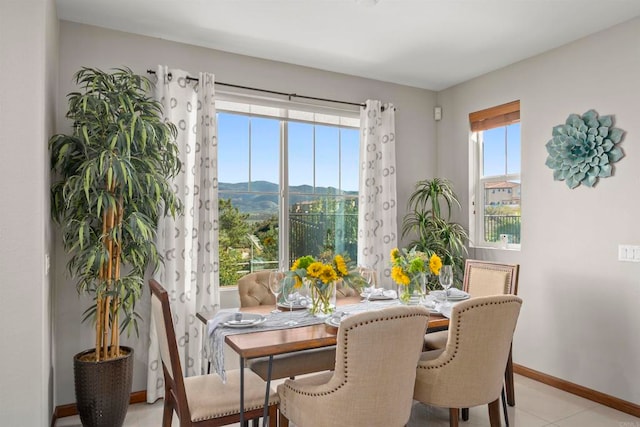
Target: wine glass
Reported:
point(446, 280)
point(368, 275)
point(291, 295)
point(275, 286)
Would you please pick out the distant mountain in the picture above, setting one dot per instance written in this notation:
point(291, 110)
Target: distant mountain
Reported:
point(266, 203)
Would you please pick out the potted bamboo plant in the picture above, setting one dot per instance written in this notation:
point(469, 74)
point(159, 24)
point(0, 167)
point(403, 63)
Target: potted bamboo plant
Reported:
point(431, 224)
point(114, 172)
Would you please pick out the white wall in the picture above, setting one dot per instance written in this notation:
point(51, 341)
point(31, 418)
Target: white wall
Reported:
point(28, 79)
point(580, 319)
point(82, 45)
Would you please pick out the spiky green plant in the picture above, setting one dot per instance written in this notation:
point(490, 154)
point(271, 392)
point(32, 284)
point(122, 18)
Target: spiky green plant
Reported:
point(433, 231)
point(115, 170)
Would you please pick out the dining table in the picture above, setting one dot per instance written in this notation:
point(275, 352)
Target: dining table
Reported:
point(250, 344)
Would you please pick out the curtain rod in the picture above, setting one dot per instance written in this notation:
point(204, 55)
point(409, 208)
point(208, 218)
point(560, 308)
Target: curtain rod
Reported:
point(289, 95)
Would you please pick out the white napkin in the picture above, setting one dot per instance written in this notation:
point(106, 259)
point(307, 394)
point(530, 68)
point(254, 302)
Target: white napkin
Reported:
point(382, 292)
point(453, 292)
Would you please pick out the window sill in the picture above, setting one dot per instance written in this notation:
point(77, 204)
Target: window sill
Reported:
point(512, 248)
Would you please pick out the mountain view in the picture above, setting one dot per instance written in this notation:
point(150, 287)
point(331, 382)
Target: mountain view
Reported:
point(263, 198)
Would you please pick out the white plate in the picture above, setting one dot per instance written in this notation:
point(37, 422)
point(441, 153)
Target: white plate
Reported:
point(383, 296)
point(296, 306)
point(458, 296)
point(332, 321)
point(248, 320)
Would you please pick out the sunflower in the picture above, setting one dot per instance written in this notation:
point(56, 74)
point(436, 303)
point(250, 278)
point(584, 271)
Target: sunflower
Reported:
point(327, 274)
point(399, 276)
point(341, 265)
point(395, 254)
point(435, 264)
point(315, 269)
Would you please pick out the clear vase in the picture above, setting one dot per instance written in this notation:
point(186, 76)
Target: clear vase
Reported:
point(323, 298)
point(415, 292)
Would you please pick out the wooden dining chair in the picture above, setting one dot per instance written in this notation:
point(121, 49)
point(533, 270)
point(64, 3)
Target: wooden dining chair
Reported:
point(204, 400)
point(376, 357)
point(483, 278)
point(469, 371)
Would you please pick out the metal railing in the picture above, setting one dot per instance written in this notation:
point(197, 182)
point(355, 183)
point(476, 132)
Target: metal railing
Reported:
point(495, 225)
point(313, 233)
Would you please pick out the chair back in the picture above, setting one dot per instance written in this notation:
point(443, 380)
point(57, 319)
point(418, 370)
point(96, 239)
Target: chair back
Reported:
point(484, 278)
point(253, 289)
point(163, 322)
point(376, 357)
point(470, 371)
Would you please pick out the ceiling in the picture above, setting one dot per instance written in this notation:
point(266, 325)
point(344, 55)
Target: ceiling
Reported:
point(431, 44)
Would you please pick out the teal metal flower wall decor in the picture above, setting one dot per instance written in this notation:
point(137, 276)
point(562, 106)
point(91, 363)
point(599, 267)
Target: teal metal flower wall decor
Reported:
point(584, 149)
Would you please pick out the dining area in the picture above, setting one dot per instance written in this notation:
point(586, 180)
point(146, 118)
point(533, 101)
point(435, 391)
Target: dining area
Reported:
point(368, 361)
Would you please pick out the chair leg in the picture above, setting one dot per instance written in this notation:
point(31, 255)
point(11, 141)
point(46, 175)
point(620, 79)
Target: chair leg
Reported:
point(454, 414)
point(503, 399)
point(465, 414)
point(508, 378)
point(273, 416)
point(494, 413)
point(284, 422)
point(167, 413)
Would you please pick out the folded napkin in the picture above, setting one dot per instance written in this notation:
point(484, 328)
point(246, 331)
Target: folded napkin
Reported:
point(453, 292)
point(381, 292)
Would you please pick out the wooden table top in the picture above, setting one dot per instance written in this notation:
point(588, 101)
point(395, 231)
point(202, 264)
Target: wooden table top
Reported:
point(266, 343)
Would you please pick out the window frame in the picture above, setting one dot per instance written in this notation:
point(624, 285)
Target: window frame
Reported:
point(480, 121)
point(286, 113)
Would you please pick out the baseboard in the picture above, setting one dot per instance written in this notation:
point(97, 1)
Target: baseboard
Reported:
point(587, 393)
point(71, 409)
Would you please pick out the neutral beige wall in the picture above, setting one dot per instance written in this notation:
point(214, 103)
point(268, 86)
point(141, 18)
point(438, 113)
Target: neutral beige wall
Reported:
point(82, 45)
point(580, 319)
point(28, 48)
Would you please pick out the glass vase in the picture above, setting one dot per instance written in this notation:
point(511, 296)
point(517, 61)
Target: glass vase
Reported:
point(415, 292)
point(322, 298)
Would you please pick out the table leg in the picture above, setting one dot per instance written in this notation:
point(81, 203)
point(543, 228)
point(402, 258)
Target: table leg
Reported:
point(241, 391)
point(265, 416)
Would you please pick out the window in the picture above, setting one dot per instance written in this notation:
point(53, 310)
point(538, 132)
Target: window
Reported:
point(288, 186)
point(495, 207)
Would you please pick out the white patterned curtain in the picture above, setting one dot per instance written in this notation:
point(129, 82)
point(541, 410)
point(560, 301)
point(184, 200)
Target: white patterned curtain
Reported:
point(189, 244)
point(377, 213)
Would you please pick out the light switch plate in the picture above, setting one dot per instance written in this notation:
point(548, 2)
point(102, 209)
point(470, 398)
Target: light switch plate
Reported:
point(629, 253)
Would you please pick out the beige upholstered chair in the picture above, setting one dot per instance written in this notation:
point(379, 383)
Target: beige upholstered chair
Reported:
point(469, 371)
point(483, 278)
point(376, 358)
point(253, 289)
point(202, 400)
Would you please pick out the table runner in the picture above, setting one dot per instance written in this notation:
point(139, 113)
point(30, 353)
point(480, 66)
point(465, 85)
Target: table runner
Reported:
point(217, 331)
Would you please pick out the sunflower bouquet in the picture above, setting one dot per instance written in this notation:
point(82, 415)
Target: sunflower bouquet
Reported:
point(410, 269)
point(321, 278)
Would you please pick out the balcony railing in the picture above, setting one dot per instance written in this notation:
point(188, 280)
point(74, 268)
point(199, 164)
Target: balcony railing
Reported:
point(313, 233)
point(495, 225)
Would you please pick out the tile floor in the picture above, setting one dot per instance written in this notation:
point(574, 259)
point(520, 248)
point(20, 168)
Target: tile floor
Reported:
point(537, 405)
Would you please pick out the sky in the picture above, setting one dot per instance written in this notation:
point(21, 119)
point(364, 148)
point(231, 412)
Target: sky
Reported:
point(336, 155)
point(234, 165)
point(495, 160)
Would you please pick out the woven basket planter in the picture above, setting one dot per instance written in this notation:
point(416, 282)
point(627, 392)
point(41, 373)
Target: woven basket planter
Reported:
point(103, 389)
